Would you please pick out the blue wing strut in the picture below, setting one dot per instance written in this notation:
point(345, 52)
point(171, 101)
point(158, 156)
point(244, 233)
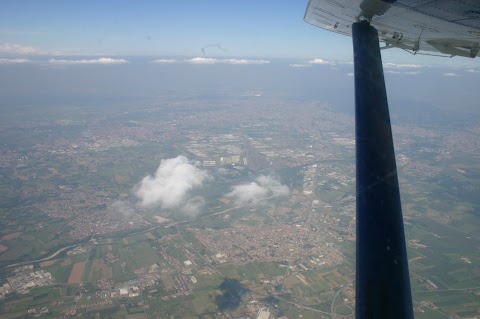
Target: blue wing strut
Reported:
point(382, 277)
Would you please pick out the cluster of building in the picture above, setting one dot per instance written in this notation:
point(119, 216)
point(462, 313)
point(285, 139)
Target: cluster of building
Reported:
point(70, 312)
point(126, 292)
point(26, 278)
point(218, 150)
point(309, 179)
point(93, 213)
point(176, 284)
point(5, 289)
point(90, 212)
point(109, 288)
point(79, 250)
point(38, 312)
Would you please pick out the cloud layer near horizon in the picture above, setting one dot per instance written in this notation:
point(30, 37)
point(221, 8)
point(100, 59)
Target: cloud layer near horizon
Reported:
point(300, 65)
point(257, 191)
point(319, 61)
point(451, 74)
point(171, 185)
point(85, 61)
point(14, 61)
point(316, 61)
point(200, 60)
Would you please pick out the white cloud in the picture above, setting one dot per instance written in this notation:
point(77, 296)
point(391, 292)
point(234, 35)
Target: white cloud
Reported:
point(319, 61)
point(256, 192)
point(243, 61)
point(389, 65)
point(199, 60)
point(350, 74)
point(299, 65)
point(165, 61)
point(171, 185)
point(193, 206)
point(123, 208)
point(14, 61)
point(473, 71)
point(450, 74)
point(92, 61)
point(11, 48)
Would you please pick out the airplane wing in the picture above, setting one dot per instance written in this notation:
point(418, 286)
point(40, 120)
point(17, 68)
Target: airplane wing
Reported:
point(447, 27)
point(435, 27)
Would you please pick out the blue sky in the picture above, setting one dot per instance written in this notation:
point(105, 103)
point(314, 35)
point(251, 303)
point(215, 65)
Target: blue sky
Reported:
point(245, 29)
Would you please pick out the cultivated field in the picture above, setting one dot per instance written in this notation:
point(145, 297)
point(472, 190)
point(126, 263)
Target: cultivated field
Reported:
point(47, 263)
point(76, 273)
point(11, 236)
point(99, 271)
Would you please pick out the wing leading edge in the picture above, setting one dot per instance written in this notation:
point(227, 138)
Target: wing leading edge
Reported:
point(448, 27)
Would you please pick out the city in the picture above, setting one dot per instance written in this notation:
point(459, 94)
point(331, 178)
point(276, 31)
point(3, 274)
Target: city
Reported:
point(275, 212)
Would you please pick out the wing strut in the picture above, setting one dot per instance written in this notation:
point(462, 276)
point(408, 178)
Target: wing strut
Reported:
point(382, 282)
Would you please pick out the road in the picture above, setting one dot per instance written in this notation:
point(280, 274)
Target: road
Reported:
point(309, 308)
point(332, 306)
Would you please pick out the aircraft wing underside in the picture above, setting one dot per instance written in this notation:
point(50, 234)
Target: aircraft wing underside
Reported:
point(446, 27)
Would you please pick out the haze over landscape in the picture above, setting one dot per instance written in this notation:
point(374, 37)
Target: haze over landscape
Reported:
point(197, 160)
